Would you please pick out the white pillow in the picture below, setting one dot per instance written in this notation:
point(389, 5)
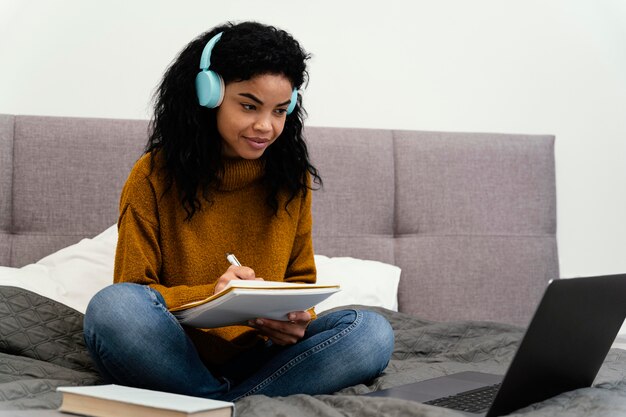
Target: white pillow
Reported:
point(75, 274)
point(72, 275)
point(363, 282)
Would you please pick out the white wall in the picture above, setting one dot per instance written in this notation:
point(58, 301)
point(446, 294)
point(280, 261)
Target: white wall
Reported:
point(518, 66)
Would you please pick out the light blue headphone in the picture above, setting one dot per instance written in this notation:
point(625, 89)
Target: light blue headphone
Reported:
point(210, 85)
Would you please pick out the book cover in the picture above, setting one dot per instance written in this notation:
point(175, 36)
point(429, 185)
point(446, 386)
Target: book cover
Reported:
point(243, 300)
point(121, 401)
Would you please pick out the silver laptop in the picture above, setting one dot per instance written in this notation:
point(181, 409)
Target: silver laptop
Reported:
point(564, 346)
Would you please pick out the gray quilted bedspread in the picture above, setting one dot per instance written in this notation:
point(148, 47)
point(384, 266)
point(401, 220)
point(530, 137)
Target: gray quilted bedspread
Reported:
point(41, 348)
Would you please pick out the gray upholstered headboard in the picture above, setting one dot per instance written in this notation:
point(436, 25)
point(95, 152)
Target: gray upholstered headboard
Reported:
point(470, 218)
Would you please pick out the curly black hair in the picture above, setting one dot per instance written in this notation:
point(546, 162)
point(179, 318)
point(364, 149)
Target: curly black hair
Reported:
point(185, 134)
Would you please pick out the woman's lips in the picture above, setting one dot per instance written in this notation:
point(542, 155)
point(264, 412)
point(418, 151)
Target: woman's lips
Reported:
point(258, 143)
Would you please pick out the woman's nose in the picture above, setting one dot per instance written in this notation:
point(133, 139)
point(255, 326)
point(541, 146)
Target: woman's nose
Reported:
point(262, 123)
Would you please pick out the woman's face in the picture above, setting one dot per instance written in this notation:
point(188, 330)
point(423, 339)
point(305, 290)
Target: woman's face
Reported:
point(253, 114)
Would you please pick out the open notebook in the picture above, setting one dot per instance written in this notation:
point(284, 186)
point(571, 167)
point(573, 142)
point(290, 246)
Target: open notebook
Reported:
point(243, 300)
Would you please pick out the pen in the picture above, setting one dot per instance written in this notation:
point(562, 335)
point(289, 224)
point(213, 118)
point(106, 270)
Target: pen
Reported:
point(232, 259)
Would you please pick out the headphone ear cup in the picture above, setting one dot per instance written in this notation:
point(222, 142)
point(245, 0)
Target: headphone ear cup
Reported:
point(209, 88)
point(294, 101)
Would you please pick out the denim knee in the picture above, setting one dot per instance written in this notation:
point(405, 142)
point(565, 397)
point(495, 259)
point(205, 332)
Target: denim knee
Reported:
point(378, 334)
point(119, 311)
point(371, 340)
point(134, 340)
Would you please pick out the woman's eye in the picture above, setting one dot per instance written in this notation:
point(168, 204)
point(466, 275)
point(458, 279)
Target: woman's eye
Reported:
point(248, 106)
point(280, 111)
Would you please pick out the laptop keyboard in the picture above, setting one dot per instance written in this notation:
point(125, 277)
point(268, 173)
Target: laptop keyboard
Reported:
point(473, 401)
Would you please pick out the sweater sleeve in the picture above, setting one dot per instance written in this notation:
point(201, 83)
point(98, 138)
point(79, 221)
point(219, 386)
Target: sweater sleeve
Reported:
point(302, 264)
point(138, 255)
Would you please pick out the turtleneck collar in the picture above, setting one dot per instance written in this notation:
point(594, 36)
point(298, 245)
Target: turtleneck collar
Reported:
point(239, 172)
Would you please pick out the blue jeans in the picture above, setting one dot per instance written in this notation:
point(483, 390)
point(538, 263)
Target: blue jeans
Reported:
point(134, 340)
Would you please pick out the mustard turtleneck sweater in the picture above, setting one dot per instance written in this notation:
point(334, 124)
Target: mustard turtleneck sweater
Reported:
point(183, 259)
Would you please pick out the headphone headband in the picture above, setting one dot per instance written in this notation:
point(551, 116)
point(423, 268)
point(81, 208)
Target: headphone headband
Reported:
point(210, 85)
point(205, 59)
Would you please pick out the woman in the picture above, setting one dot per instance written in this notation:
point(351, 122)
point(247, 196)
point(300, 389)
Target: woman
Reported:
point(226, 170)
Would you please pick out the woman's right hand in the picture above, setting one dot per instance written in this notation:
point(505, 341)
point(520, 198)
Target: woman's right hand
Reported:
point(234, 273)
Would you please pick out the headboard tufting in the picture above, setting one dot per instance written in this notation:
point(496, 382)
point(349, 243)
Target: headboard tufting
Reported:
point(469, 217)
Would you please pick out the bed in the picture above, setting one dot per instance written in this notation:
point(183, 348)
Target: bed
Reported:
point(468, 218)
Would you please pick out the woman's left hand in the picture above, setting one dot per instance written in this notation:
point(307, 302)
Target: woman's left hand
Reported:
point(284, 333)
